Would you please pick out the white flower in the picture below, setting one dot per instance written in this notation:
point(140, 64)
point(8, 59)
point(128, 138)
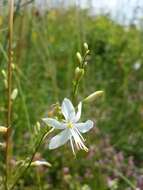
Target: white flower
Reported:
point(71, 129)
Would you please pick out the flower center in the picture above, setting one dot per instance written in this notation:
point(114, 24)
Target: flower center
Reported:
point(70, 125)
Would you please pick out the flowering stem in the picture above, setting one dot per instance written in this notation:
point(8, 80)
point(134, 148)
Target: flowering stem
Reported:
point(77, 81)
point(75, 91)
point(31, 159)
point(9, 107)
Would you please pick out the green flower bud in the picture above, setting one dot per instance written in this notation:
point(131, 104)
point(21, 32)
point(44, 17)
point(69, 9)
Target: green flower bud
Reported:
point(85, 63)
point(13, 66)
point(78, 55)
point(87, 52)
point(85, 46)
point(79, 73)
point(4, 73)
point(93, 96)
point(14, 94)
point(5, 83)
point(38, 126)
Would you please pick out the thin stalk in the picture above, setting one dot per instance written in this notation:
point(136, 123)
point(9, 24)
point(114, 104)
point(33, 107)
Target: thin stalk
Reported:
point(9, 106)
point(75, 91)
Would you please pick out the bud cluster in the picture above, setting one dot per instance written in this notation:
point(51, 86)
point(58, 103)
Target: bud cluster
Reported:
point(80, 69)
point(82, 60)
point(79, 73)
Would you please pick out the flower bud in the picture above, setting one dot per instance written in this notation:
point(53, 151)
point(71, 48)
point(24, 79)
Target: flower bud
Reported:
point(78, 55)
point(13, 66)
point(4, 73)
point(3, 129)
point(87, 52)
point(14, 94)
point(37, 127)
point(85, 46)
point(85, 63)
point(5, 83)
point(79, 73)
point(93, 96)
point(41, 163)
point(2, 145)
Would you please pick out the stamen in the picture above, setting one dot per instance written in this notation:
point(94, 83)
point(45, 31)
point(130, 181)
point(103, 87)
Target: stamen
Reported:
point(72, 146)
point(75, 139)
point(78, 140)
point(79, 134)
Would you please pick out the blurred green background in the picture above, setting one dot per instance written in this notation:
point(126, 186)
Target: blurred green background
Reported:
point(45, 45)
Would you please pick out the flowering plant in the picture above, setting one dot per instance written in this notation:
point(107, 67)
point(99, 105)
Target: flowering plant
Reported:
point(71, 129)
point(67, 119)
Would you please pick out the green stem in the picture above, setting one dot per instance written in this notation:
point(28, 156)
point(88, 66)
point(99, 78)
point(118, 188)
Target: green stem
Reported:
point(9, 80)
point(31, 159)
point(75, 91)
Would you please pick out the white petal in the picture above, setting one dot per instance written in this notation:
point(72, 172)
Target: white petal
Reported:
point(68, 109)
point(60, 139)
point(84, 127)
point(54, 123)
point(78, 114)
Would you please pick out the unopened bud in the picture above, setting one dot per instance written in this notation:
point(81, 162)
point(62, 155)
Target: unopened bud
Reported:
point(14, 94)
point(93, 96)
point(85, 63)
point(78, 55)
point(37, 127)
point(13, 66)
point(3, 129)
point(79, 73)
point(2, 145)
point(85, 46)
point(4, 73)
point(87, 52)
point(41, 163)
point(5, 83)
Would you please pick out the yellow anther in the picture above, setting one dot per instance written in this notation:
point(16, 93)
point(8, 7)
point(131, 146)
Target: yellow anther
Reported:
point(70, 125)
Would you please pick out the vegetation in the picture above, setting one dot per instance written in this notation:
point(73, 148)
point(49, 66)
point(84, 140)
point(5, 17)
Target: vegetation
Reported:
point(45, 46)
